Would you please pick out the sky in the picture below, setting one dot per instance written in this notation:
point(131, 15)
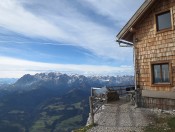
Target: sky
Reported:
point(68, 36)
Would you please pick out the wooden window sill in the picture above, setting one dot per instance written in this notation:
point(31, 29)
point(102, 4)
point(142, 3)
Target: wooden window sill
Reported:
point(164, 30)
point(161, 84)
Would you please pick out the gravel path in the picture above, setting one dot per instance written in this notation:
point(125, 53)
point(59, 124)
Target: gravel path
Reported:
point(121, 116)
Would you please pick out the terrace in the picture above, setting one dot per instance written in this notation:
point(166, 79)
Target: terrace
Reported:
point(113, 109)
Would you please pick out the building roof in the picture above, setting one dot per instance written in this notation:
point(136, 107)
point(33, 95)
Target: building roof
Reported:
point(126, 32)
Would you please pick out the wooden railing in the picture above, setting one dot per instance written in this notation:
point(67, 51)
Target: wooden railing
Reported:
point(99, 97)
point(95, 105)
point(121, 90)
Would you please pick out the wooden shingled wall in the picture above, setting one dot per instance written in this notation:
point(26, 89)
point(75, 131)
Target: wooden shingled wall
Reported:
point(152, 46)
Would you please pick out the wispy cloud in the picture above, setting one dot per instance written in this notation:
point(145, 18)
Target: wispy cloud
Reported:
point(117, 10)
point(17, 18)
point(18, 67)
point(69, 26)
point(89, 24)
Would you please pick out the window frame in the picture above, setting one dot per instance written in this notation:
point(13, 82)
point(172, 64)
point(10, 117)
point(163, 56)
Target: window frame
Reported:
point(156, 22)
point(152, 73)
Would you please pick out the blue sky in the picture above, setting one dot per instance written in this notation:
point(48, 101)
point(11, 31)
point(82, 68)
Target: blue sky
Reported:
point(71, 36)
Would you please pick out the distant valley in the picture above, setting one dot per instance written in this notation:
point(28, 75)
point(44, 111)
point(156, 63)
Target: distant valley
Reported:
point(50, 102)
point(5, 81)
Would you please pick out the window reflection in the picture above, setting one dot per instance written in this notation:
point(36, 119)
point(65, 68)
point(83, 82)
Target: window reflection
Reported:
point(163, 21)
point(165, 73)
point(161, 73)
point(157, 73)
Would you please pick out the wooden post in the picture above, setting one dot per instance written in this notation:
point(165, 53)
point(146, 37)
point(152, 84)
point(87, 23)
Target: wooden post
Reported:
point(91, 109)
point(121, 92)
point(106, 98)
point(92, 94)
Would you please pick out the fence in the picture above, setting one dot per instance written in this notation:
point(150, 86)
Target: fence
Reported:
point(99, 97)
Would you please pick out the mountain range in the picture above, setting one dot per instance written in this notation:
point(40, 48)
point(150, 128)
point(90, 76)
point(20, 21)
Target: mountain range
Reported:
point(50, 102)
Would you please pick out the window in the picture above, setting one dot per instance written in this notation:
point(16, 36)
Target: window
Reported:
point(163, 21)
point(160, 73)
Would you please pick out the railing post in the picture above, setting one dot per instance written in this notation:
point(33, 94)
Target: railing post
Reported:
point(92, 94)
point(91, 109)
point(120, 92)
point(106, 98)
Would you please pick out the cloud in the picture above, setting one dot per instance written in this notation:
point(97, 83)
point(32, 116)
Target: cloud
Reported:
point(16, 18)
point(69, 25)
point(117, 10)
point(11, 67)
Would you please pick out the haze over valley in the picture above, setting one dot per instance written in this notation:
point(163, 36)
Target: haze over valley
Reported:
point(50, 101)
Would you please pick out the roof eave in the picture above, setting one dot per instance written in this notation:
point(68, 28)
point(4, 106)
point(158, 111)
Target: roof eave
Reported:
point(134, 19)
